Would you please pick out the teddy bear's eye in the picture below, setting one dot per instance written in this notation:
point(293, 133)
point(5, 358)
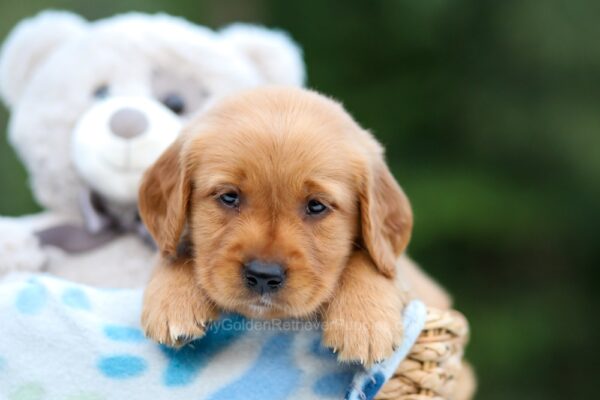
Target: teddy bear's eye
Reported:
point(101, 92)
point(175, 103)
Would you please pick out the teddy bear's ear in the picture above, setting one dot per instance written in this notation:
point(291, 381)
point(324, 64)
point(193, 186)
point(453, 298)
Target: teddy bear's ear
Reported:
point(276, 56)
point(29, 44)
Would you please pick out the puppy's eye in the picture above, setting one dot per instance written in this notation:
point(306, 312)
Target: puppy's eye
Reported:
point(230, 199)
point(315, 207)
point(101, 91)
point(175, 103)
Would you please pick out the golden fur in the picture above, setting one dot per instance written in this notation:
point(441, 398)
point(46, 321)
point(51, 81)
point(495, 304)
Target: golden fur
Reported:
point(278, 148)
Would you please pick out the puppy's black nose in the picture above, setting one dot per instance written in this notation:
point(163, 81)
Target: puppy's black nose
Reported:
point(263, 277)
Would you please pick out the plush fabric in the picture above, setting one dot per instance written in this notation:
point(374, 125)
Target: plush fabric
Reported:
point(62, 340)
point(124, 262)
point(63, 79)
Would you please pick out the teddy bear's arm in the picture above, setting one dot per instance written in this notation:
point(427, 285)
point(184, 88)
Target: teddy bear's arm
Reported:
point(20, 249)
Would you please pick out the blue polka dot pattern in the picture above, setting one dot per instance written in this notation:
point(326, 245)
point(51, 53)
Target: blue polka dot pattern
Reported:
point(76, 298)
point(32, 298)
point(123, 333)
point(185, 363)
point(274, 364)
point(122, 366)
point(334, 384)
point(321, 351)
point(371, 388)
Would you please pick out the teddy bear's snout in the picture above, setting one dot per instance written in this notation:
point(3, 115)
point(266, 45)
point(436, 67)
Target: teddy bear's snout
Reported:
point(128, 123)
point(116, 139)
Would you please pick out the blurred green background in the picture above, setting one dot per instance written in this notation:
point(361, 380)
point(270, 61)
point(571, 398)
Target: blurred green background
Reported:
point(490, 111)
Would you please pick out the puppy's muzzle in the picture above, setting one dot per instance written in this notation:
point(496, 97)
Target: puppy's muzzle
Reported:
point(263, 277)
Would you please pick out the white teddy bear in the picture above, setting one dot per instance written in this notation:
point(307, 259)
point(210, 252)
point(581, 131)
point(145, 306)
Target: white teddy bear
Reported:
point(93, 104)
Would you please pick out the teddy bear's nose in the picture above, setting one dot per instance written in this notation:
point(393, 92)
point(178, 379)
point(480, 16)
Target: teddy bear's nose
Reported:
point(128, 123)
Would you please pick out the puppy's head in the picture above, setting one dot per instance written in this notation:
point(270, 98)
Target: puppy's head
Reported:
point(275, 188)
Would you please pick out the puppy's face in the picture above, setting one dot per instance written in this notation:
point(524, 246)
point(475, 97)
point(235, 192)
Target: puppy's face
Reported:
point(277, 188)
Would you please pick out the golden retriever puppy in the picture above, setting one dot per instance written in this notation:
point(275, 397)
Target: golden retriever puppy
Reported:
point(277, 204)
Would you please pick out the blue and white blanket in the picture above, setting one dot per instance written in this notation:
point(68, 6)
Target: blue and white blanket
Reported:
point(63, 341)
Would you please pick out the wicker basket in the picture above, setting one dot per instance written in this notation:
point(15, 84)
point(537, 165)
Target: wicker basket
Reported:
point(434, 369)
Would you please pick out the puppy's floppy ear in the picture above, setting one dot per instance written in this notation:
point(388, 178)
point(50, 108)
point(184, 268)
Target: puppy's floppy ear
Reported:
point(386, 215)
point(164, 198)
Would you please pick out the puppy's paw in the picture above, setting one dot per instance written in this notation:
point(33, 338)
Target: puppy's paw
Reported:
point(366, 330)
point(175, 315)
